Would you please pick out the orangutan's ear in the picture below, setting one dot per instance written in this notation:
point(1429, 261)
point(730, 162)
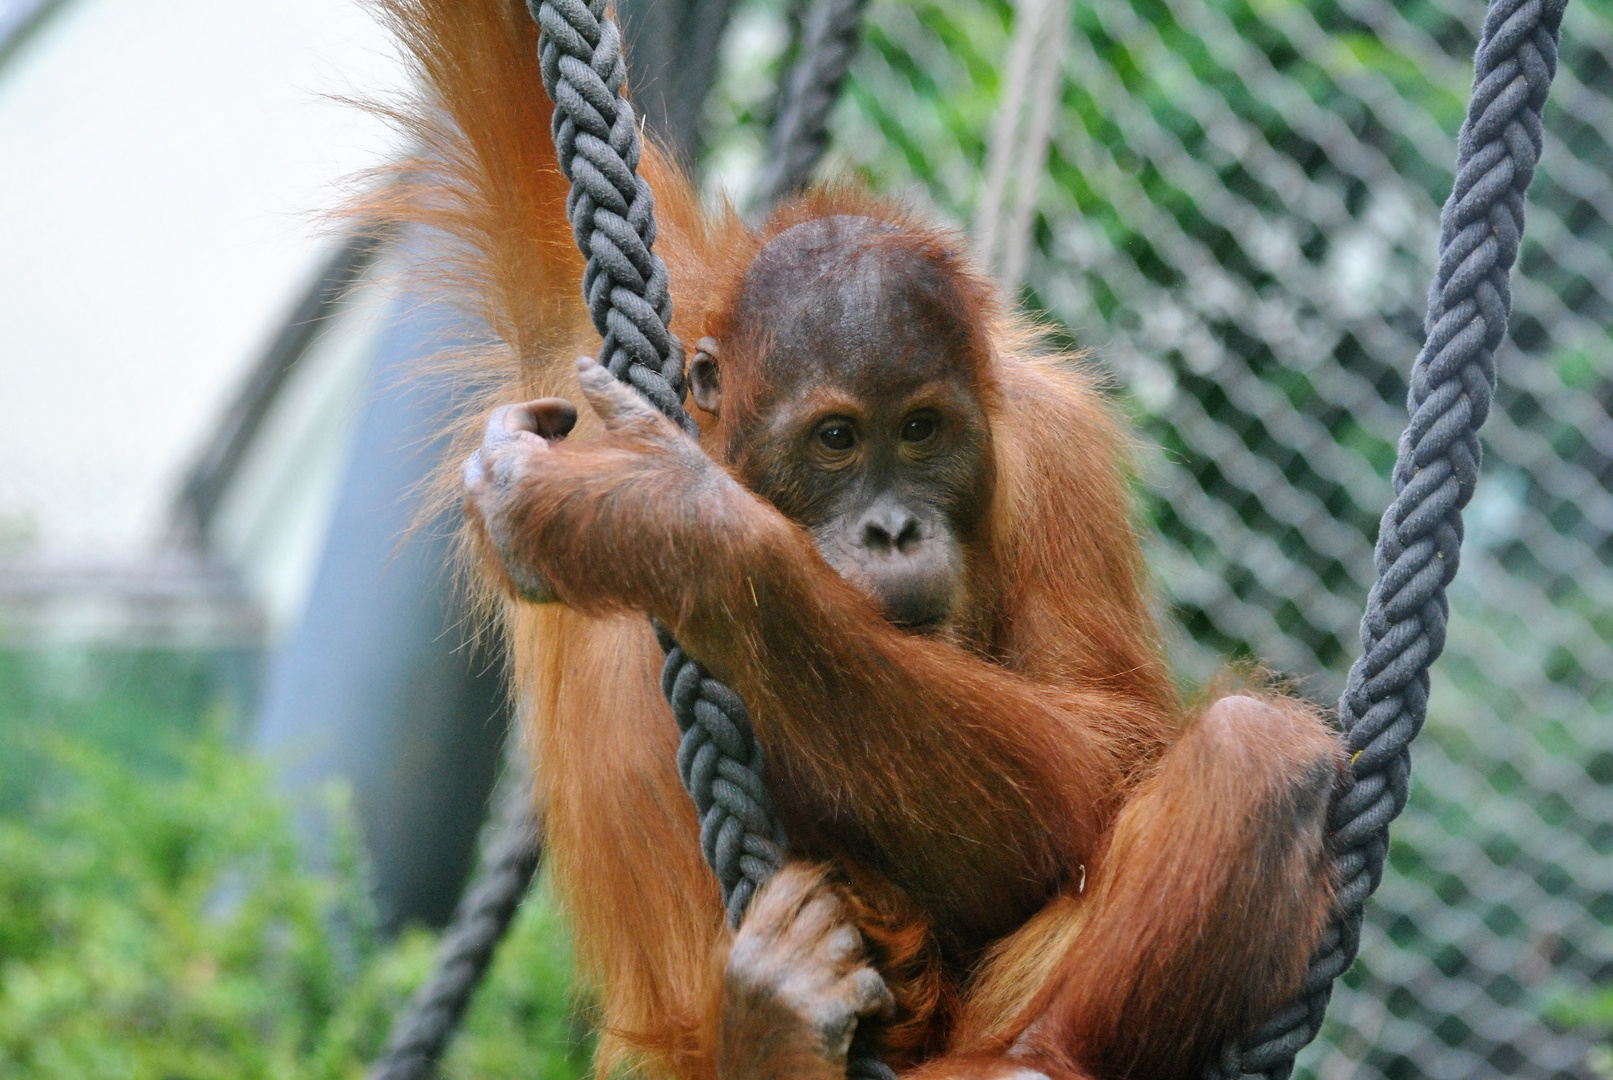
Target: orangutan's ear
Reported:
point(704, 382)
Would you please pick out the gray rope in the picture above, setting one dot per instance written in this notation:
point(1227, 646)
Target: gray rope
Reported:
point(1419, 540)
point(625, 283)
point(611, 207)
point(420, 1036)
point(720, 762)
point(800, 133)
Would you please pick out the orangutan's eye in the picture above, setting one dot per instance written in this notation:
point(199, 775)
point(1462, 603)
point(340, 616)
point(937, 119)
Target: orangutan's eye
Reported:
point(918, 428)
point(837, 435)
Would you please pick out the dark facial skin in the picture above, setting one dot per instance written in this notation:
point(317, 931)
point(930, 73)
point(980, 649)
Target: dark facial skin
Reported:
point(865, 424)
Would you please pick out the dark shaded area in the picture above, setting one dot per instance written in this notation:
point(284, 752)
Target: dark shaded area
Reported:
point(671, 64)
point(378, 683)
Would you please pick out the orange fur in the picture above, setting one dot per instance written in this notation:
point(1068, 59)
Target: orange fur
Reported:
point(964, 788)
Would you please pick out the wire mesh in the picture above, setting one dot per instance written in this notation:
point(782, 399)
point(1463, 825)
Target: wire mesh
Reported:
point(1239, 219)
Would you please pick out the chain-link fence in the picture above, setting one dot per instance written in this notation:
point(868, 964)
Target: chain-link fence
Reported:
point(1239, 218)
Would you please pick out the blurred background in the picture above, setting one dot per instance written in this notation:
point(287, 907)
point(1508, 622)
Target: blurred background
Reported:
point(245, 745)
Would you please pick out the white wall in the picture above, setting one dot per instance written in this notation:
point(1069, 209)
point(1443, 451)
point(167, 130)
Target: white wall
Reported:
point(163, 168)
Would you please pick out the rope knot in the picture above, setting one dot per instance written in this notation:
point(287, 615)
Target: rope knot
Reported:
point(1452, 384)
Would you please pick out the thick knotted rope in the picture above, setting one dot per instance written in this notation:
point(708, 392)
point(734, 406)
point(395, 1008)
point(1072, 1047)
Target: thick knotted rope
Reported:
point(720, 762)
point(800, 135)
point(625, 283)
point(1403, 631)
point(611, 207)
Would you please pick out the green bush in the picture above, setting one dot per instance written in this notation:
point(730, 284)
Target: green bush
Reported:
point(160, 924)
point(131, 702)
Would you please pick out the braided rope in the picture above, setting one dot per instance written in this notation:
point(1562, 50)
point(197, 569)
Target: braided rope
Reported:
point(720, 762)
point(801, 131)
point(611, 207)
point(613, 218)
point(420, 1036)
point(1419, 540)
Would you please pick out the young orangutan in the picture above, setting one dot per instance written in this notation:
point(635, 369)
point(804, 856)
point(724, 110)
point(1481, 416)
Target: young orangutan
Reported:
point(903, 537)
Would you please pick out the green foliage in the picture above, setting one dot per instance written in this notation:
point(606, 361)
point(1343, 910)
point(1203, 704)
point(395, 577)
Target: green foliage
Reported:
point(1593, 1010)
point(1593, 1013)
point(130, 701)
point(162, 927)
point(525, 1022)
point(160, 924)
